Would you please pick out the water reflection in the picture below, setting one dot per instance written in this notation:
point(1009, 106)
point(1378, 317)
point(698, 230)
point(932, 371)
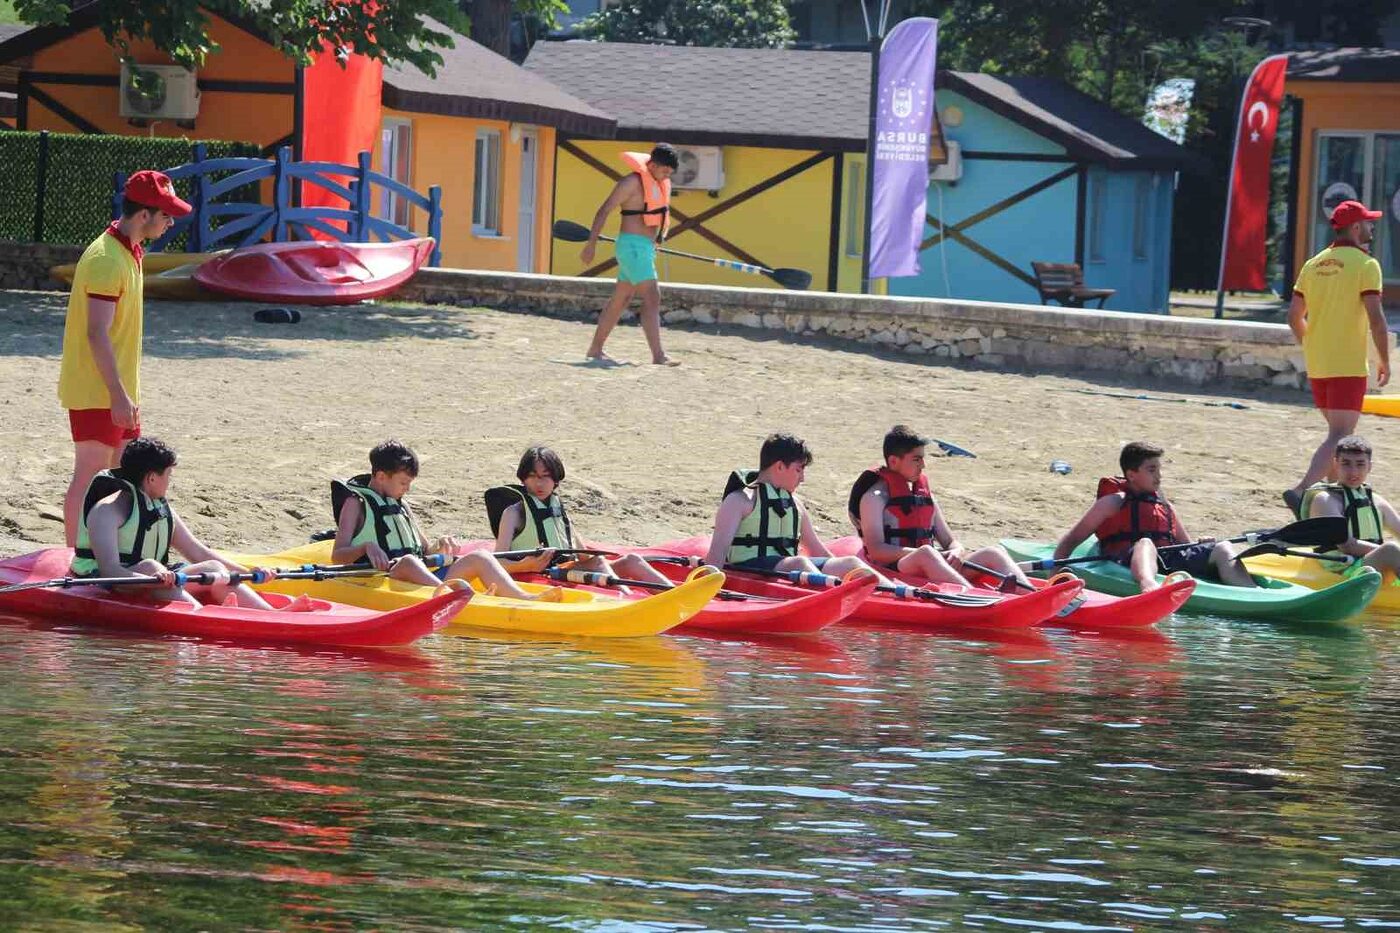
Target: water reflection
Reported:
point(871, 778)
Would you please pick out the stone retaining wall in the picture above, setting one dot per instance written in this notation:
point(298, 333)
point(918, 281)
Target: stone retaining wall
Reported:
point(26, 265)
point(1200, 352)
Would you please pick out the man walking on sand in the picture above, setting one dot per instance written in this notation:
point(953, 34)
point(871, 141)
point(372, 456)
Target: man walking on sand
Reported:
point(99, 380)
point(644, 198)
point(1336, 300)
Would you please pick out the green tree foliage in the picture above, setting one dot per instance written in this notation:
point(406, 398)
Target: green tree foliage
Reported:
point(490, 19)
point(400, 31)
point(727, 23)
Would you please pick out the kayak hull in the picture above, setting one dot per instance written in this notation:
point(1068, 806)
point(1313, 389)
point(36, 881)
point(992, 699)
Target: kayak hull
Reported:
point(580, 614)
point(1090, 610)
point(1272, 600)
point(315, 272)
point(1310, 573)
point(327, 624)
point(802, 613)
point(168, 276)
point(1387, 405)
point(1010, 611)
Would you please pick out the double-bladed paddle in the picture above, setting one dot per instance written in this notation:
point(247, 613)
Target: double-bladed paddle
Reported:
point(1272, 547)
point(1328, 531)
point(595, 578)
point(308, 572)
point(795, 279)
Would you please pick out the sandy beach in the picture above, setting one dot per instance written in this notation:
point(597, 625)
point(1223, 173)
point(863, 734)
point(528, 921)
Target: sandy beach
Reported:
point(263, 416)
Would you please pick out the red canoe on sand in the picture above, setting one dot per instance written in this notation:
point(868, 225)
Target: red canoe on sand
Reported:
point(1009, 611)
point(1090, 610)
point(326, 623)
point(315, 272)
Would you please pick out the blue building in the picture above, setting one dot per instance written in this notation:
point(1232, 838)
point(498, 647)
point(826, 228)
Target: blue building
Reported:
point(1037, 171)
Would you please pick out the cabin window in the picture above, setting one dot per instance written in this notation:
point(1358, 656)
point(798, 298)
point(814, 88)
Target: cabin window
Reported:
point(1098, 198)
point(395, 160)
point(486, 184)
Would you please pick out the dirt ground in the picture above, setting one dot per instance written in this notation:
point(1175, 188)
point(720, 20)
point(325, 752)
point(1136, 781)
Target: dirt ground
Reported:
point(263, 416)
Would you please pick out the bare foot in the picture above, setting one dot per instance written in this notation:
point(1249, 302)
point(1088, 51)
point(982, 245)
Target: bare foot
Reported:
point(667, 361)
point(602, 359)
point(555, 594)
point(302, 603)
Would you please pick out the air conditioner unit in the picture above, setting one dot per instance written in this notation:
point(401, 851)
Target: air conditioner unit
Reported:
point(952, 169)
point(701, 167)
point(159, 92)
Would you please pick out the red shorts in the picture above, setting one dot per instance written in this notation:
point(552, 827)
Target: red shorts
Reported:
point(1339, 393)
point(95, 424)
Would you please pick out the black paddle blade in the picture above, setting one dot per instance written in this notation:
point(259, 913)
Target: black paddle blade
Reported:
point(568, 230)
point(1268, 547)
point(1313, 532)
point(799, 280)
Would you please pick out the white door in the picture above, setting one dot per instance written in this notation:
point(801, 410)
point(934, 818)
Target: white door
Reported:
point(529, 161)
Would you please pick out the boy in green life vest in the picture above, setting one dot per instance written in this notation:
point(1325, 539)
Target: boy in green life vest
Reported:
point(531, 515)
point(127, 527)
point(375, 526)
point(761, 523)
point(1368, 514)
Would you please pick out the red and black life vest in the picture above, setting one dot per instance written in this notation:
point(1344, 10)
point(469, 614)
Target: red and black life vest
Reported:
point(1143, 515)
point(911, 508)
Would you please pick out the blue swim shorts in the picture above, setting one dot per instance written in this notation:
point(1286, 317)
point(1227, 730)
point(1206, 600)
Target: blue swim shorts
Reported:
point(636, 258)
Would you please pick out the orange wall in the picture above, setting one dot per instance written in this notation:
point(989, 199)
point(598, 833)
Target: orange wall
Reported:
point(1337, 105)
point(444, 154)
point(257, 118)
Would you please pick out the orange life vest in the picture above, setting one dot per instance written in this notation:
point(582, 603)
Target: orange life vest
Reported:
point(656, 193)
point(1141, 516)
point(910, 507)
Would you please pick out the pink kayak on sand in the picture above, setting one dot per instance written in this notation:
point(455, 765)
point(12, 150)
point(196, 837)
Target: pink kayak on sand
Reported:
point(315, 272)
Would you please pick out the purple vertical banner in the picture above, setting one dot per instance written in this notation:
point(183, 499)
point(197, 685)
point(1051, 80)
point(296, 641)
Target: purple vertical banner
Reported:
point(899, 173)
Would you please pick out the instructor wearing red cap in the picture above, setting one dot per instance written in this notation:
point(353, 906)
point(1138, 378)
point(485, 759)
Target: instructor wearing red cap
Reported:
point(1336, 301)
point(99, 381)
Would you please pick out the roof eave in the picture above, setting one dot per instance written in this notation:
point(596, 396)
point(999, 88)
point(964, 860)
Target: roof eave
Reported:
point(456, 105)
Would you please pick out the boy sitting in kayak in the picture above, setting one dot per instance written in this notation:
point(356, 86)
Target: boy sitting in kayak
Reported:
point(127, 528)
point(390, 539)
point(903, 528)
point(1368, 514)
point(1136, 526)
point(762, 525)
point(532, 515)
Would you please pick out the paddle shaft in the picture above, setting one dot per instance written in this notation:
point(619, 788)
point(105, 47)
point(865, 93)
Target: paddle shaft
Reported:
point(1319, 532)
point(577, 233)
point(595, 578)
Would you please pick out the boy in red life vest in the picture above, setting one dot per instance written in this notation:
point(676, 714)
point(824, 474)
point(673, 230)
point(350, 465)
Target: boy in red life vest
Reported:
point(1368, 514)
point(901, 524)
point(643, 198)
point(1132, 519)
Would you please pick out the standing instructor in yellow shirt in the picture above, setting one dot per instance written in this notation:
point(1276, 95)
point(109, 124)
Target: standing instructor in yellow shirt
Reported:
point(1336, 301)
point(99, 381)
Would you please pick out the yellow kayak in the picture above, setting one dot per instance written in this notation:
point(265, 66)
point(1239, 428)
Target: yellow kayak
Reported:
point(164, 275)
point(1312, 574)
point(581, 613)
point(1388, 405)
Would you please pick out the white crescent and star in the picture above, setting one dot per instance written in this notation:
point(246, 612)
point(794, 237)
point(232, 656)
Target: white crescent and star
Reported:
point(1262, 109)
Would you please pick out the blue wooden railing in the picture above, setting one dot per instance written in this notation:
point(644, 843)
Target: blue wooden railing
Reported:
point(282, 220)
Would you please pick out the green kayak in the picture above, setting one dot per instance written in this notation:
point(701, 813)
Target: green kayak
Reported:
point(1273, 600)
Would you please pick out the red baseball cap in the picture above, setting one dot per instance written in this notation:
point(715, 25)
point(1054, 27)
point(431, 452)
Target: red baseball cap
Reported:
point(1350, 212)
point(153, 189)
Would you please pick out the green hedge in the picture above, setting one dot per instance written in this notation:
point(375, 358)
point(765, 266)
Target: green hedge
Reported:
point(78, 186)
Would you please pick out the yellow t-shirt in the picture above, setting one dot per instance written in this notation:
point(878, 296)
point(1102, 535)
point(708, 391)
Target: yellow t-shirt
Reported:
point(107, 269)
point(1332, 284)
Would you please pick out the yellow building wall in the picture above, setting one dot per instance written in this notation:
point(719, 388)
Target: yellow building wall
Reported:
point(256, 118)
point(1337, 105)
point(443, 152)
point(786, 225)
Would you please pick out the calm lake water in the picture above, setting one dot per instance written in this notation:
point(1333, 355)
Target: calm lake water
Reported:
point(876, 779)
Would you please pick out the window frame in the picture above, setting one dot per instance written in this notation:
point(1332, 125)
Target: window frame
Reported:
point(390, 202)
point(493, 195)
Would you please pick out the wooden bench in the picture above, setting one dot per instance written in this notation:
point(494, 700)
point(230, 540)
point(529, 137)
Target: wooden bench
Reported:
point(1064, 282)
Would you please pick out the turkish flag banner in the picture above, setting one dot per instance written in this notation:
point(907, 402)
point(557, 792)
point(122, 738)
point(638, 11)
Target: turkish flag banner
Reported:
point(1242, 258)
point(340, 118)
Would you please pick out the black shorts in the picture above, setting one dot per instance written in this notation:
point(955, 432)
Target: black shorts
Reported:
point(1195, 560)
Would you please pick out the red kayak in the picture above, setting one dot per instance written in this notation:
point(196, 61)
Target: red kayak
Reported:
point(952, 607)
point(326, 623)
point(315, 272)
point(800, 612)
point(1089, 610)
